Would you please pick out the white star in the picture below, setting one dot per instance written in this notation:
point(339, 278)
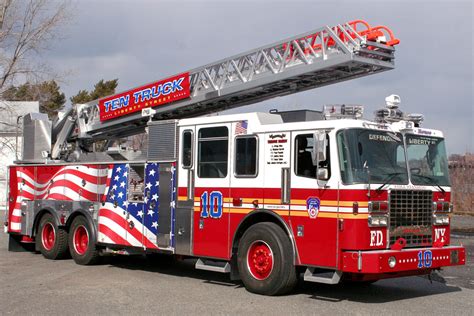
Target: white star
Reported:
point(112, 197)
point(150, 212)
point(172, 204)
point(114, 187)
point(157, 183)
point(125, 174)
point(148, 185)
point(119, 169)
point(120, 195)
point(125, 203)
point(154, 197)
point(154, 225)
point(122, 184)
point(135, 204)
point(116, 178)
point(152, 172)
point(173, 169)
point(140, 213)
point(145, 200)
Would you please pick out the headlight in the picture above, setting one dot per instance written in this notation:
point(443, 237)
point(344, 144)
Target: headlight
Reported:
point(392, 262)
point(440, 219)
point(377, 220)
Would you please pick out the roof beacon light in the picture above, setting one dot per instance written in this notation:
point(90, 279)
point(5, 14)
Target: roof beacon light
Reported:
point(391, 113)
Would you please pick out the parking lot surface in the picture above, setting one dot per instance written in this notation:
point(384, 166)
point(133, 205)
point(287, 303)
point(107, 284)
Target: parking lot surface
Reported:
point(32, 285)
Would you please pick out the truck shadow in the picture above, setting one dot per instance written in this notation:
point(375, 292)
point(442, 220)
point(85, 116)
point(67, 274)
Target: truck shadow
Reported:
point(383, 291)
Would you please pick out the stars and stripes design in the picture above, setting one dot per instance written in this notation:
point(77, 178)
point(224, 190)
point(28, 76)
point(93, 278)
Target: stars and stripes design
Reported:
point(126, 220)
point(241, 127)
point(70, 183)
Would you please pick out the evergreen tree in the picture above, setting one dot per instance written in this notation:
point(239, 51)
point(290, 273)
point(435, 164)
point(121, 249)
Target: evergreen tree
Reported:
point(48, 93)
point(101, 89)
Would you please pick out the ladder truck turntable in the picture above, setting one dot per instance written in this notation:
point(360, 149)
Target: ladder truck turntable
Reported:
point(264, 197)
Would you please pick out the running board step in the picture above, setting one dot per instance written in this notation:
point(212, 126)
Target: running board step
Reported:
point(216, 266)
point(326, 277)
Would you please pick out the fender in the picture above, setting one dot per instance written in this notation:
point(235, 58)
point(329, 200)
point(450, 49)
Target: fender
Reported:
point(265, 212)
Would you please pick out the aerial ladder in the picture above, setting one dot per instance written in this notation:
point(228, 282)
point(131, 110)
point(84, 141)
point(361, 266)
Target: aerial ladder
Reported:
point(314, 59)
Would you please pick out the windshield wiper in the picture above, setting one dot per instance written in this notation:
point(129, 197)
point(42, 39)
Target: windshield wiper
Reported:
point(389, 178)
point(431, 181)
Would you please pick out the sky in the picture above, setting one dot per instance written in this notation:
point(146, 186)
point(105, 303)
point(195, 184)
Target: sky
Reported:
point(142, 41)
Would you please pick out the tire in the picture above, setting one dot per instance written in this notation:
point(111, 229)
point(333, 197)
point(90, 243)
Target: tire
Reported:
point(81, 246)
point(51, 240)
point(265, 260)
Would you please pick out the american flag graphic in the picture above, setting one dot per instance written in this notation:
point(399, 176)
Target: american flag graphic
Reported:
point(124, 220)
point(70, 183)
point(241, 127)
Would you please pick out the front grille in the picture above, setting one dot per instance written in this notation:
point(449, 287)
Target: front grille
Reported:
point(410, 217)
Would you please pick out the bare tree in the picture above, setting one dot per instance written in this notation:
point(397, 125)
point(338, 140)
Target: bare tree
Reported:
point(28, 27)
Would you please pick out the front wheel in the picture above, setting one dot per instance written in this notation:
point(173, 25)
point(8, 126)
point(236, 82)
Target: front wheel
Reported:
point(81, 244)
point(265, 260)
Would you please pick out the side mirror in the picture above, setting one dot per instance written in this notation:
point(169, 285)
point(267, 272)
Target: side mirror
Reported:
point(319, 148)
point(323, 174)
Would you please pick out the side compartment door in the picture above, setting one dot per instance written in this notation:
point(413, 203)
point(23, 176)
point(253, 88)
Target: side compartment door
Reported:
point(185, 202)
point(211, 212)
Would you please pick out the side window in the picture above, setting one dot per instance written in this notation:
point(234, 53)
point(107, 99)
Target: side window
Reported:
point(136, 182)
point(303, 159)
point(213, 152)
point(246, 156)
point(304, 166)
point(187, 149)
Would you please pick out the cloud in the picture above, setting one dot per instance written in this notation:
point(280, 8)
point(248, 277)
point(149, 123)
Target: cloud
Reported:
point(143, 41)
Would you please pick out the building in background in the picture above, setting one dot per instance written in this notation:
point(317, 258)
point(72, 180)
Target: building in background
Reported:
point(11, 113)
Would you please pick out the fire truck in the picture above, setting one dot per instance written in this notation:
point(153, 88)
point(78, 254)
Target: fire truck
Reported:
point(266, 197)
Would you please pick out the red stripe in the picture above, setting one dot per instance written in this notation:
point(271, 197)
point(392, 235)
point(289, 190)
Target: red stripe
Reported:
point(15, 219)
point(112, 235)
point(123, 223)
point(91, 196)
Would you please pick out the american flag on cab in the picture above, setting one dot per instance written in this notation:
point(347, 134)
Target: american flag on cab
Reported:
point(124, 220)
point(69, 183)
point(241, 127)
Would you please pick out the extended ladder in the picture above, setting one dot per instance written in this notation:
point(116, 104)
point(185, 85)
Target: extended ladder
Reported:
point(321, 57)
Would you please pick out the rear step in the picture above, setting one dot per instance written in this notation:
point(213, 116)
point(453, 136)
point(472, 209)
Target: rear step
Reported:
point(210, 265)
point(324, 276)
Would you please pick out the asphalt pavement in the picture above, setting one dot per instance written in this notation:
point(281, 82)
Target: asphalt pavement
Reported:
point(32, 285)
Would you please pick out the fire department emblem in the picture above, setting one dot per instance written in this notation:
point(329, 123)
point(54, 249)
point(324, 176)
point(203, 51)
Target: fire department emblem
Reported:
point(312, 205)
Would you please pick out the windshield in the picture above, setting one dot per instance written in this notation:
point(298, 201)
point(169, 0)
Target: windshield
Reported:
point(427, 160)
point(381, 153)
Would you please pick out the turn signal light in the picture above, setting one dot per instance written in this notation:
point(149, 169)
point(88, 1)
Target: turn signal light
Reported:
point(442, 206)
point(378, 207)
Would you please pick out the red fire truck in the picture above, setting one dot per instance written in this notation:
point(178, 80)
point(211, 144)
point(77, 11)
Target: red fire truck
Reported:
point(265, 197)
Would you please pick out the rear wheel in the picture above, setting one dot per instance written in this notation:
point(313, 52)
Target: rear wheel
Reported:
point(81, 244)
point(51, 240)
point(265, 260)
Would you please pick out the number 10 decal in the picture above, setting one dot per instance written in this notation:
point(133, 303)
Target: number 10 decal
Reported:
point(425, 259)
point(211, 204)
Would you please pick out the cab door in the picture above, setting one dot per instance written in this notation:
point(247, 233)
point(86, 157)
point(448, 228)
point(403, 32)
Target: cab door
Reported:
point(211, 211)
point(314, 209)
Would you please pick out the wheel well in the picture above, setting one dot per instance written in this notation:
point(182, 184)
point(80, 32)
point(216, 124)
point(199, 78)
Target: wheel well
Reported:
point(259, 217)
point(38, 219)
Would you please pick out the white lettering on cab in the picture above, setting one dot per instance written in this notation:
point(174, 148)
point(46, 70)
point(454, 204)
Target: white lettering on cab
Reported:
point(440, 234)
point(376, 238)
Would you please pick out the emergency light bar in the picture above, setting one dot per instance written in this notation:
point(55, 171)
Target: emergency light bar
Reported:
point(343, 111)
